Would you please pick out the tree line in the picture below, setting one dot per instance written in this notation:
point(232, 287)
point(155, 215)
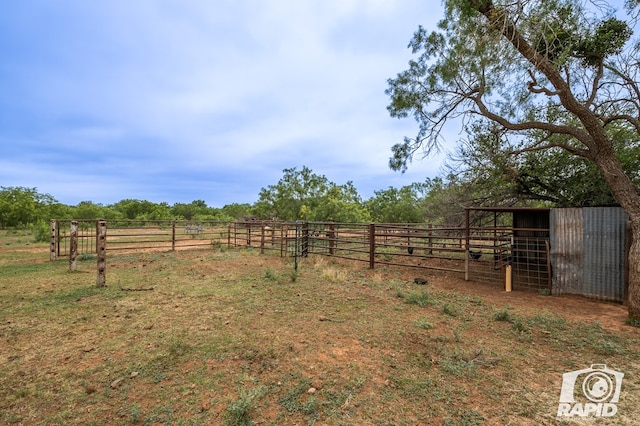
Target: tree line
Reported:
point(298, 195)
point(551, 180)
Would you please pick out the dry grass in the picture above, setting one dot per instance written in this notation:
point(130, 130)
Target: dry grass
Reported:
point(234, 337)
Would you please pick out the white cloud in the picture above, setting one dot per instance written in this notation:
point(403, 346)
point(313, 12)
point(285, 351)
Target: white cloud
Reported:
point(164, 88)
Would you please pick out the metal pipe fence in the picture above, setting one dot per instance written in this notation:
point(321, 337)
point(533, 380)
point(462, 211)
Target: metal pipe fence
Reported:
point(478, 253)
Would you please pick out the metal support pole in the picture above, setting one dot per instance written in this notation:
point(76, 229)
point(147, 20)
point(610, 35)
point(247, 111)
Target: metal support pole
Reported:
point(372, 245)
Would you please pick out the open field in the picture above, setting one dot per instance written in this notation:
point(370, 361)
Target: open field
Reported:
point(232, 337)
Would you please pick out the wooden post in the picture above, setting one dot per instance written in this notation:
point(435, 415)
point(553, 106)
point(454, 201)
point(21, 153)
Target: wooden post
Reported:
point(52, 235)
point(262, 237)
point(507, 279)
point(57, 238)
point(73, 246)
point(283, 241)
point(173, 235)
point(372, 245)
point(101, 280)
point(332, 239)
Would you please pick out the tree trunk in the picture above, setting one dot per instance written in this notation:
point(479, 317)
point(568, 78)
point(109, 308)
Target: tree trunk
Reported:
point(633, 296)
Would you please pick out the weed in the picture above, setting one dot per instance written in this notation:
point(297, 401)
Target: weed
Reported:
point(548, 322)
point(632, 321)
point(607, 347)
point(293, 276)
point(218, 246)
point(459, 363)
point(424, 324)
point(270, 275)
point(520, 326)
point(85, 257)
point(134, 413)
point(310, 407)
point(334, 274)
point(420, 298)
point(503, 315)
point(238, 412)
point(464, 417)
point(291, 400)
point(178, 348)
point(450, 310)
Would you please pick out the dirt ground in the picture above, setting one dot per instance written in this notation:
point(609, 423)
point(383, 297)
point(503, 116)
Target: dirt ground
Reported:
point(223, 331)
point(575, 308)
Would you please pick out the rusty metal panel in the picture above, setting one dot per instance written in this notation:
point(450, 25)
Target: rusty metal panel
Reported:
point(604, 252)
point(588, 251)
point(566, 235)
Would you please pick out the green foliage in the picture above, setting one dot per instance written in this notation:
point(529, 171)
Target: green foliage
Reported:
point(402, 205)
point(238, 412)
point(91, 210)
point(41, 231)
point(303, 195)
point(492, 175)
point(607, 39)
point(634, 322)
point(21, 207)
point(420, 298)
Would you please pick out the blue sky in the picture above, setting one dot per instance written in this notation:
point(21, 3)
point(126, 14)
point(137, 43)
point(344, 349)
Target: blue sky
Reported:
point(168, 100)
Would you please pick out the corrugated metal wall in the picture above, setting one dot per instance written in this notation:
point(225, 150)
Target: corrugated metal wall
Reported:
point(588, 251)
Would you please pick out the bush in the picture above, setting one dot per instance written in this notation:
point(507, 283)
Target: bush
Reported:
point(40, 232)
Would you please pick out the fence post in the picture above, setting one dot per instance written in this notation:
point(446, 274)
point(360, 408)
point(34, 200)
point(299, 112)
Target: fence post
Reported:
point(305, 239)
point(372, 245)
point(332, 239)
point(101, 280)
point(173, 235)
point(52, 238)
point(262, 237)
point(57, 238)
point(283, 241)
point(466, 245)
point(73, 246)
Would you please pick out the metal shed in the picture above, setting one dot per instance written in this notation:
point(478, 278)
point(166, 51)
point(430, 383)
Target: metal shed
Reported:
point(565, 250)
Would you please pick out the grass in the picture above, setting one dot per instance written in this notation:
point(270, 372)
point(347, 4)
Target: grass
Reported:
point(233, 337)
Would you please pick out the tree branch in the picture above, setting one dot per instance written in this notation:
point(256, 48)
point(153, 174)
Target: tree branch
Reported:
point(534, 86)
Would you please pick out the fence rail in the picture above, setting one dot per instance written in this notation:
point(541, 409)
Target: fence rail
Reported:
point(477, 252)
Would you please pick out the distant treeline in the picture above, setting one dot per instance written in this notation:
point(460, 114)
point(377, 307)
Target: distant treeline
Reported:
point(299, 195)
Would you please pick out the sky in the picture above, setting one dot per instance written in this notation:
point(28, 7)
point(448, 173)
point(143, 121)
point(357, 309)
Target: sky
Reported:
point(174, 101)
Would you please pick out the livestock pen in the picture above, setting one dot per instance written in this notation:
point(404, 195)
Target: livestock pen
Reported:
point(550, 251)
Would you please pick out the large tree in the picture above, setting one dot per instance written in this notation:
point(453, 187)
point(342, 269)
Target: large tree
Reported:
point(552, 74)
point(302, 194)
